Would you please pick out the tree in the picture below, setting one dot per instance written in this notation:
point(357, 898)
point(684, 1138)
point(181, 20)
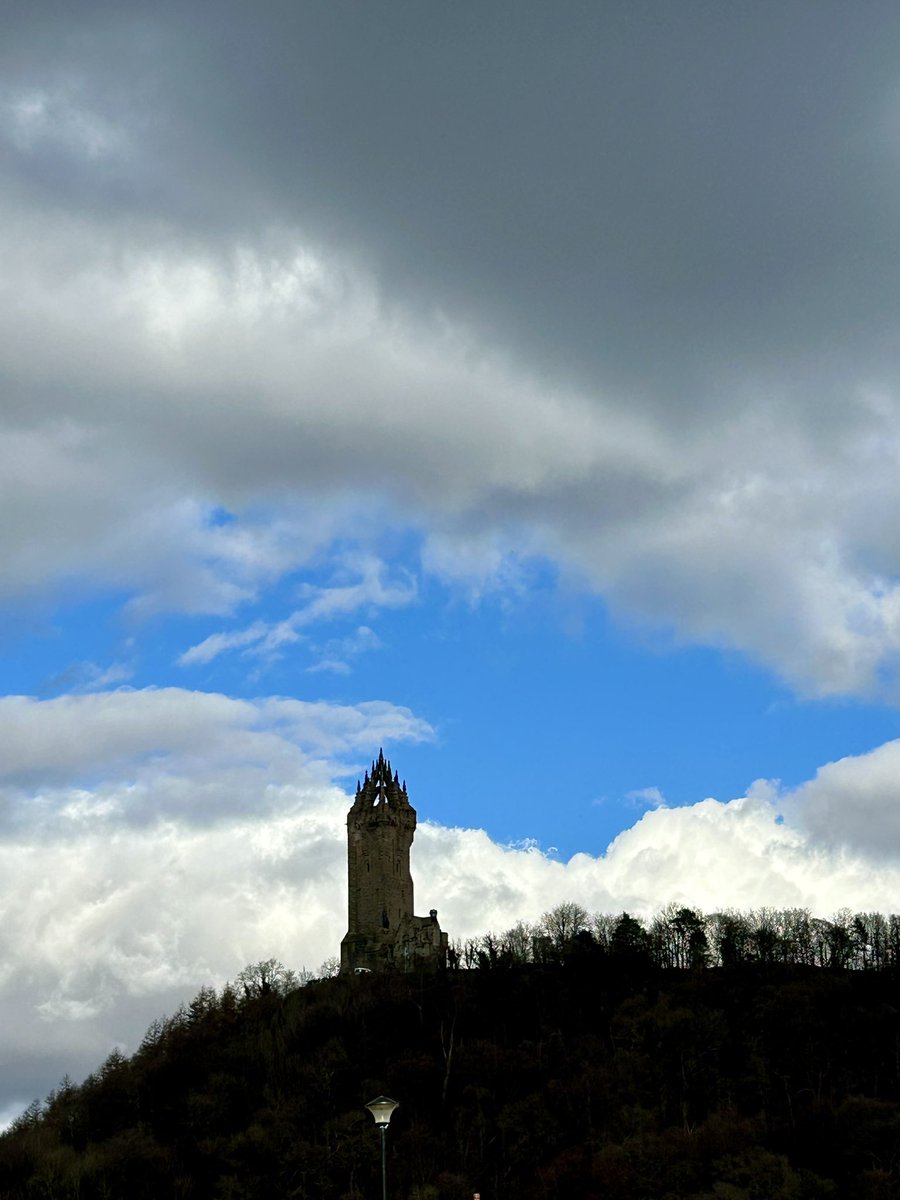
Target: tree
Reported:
point(731, 937)
point(681, 933)
point(266, 977)
point(629, 939)
point(840, 939)
point(517, 942)
point(29, 1118)
point(602, 926)
point(563, 923)
point(204, 1002)
point(765, 935)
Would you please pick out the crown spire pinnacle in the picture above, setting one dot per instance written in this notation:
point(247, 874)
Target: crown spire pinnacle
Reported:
point(381, 787)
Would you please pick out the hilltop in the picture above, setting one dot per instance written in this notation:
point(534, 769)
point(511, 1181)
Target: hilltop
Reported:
point(591, 1076)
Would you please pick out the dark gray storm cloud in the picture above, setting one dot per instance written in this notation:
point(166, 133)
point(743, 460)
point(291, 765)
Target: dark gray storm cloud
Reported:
point(610, 283)
point(647, 196)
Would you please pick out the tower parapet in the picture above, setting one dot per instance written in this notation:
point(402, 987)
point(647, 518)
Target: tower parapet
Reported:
point(383, 933)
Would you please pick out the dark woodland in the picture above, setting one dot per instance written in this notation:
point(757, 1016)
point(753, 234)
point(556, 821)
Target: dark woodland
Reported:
point(717, 1058)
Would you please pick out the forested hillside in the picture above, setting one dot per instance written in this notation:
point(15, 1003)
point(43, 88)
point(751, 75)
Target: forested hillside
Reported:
point(594, 1072)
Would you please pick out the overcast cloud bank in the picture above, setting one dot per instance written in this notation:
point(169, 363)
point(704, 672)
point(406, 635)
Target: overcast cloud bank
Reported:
point(192, 325)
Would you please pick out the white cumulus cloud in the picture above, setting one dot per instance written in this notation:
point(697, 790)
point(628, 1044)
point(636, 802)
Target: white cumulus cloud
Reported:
point(152, 842)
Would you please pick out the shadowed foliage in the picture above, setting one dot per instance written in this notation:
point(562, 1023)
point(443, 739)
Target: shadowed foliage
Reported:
point(619, 1065)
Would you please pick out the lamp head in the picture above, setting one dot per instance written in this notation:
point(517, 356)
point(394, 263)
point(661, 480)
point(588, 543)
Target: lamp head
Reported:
point(382, 1109)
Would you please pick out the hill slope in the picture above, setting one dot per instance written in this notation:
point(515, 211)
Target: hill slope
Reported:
point(580, 1080)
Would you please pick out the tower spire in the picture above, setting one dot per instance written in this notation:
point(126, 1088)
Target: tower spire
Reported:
point(380, 787)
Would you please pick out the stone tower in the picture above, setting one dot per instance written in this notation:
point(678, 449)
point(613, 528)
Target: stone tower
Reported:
point(383, 934)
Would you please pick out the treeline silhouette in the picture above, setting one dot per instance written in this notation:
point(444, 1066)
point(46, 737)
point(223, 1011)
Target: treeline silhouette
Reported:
point(684, 937)
point(732, 1057)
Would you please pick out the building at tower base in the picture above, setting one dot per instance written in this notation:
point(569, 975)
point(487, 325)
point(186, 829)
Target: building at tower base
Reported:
point(383, 934)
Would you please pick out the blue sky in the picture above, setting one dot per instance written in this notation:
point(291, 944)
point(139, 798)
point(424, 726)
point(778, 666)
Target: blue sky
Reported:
point(515, 389)
point(550, 720)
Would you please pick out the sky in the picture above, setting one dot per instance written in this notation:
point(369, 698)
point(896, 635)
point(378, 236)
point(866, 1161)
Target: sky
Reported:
point(511, 386)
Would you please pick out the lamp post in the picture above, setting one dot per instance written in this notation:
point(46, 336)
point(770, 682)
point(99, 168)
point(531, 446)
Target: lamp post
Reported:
point(382, 1109)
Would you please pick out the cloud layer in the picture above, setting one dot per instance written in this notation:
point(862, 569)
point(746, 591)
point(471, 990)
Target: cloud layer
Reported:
point(637, 328)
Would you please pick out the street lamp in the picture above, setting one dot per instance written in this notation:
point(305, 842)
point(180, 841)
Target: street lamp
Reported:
point(382, 1109)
